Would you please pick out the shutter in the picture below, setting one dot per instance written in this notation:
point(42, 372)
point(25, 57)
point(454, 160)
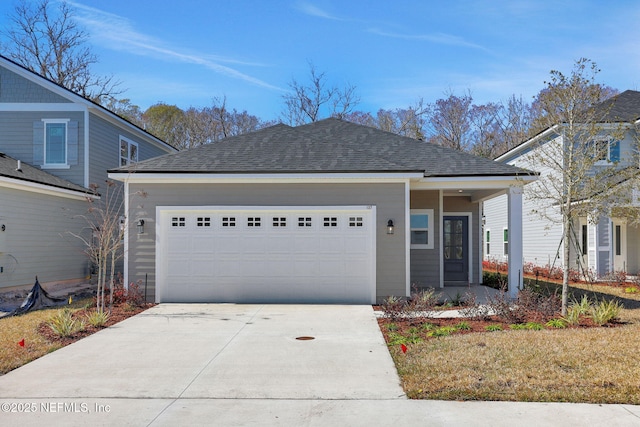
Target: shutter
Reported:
point(614, 151)
point(38, 143)
point(72, 143)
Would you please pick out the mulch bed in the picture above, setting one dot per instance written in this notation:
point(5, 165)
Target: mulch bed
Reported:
point(118, 313)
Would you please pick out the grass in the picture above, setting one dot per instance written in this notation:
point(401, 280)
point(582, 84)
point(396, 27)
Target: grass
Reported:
point(593, 365)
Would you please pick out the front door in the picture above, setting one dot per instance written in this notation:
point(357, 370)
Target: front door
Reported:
point(456, 247)
point(619, 245)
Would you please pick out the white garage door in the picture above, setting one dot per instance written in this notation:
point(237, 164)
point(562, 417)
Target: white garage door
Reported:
point(266, 254)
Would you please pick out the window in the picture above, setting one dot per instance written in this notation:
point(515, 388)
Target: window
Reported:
point(203, 221)
point(279, 221)
point(585, 237)
point(178, 221)
point(487, 241)
point(421, 222)
point(128, 152)
point(605, 150)
point(55, 143)
point(229, 221)
point(355, 221)
point(304, 221)
point(330, 221)
point(505, 241)
point(254, 221)
point(618, 240)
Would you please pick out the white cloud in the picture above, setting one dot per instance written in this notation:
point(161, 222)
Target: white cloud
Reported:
point(438, 38)
point(118, 33)
point(313, 10)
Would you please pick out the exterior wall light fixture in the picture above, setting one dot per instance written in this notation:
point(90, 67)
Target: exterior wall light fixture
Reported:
point(140, 225)
point(390, 227)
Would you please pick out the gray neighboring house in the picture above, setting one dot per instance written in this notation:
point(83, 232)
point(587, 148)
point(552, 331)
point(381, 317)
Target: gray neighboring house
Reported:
point(610, 243)
point(329, 212)
point(64, 143)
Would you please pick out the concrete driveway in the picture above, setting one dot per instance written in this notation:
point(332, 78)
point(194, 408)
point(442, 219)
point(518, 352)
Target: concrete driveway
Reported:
point(225, 364)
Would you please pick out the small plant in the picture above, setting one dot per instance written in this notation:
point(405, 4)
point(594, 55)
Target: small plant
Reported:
point(605, 311)
point(463, 326)
point(573, 315)
point(392, 327)
point(583, 306)
point(422, 302)
point(98, 319)
point(518, 326)
point(557, 323)
point(493, 328)
point(397, 339)
point(63, 324)
point(631, 290)
point(427, 326)
point(442, 331)
point(533, 326)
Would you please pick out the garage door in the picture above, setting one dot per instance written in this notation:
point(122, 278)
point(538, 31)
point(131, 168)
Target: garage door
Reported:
point(266, 254)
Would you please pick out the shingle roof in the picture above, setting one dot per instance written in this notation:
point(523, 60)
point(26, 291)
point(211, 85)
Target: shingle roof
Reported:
point(9, 169)
point(624, 107)
point(331, 146)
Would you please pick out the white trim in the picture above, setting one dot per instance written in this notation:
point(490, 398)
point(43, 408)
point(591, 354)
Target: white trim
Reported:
point(162, 178)
point(407, 237)
point(469, 216)
point(86, 149)
point(525, 145)
point(126, 237)
point(429, 229)
point(441, 228)
point(472, 182)
point(18, 184)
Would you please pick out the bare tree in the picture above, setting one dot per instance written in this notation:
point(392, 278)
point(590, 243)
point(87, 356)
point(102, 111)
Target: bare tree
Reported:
point(450, 122)
point(49, 42)
point(485, 121)
point(308, 102)
point(575, 183)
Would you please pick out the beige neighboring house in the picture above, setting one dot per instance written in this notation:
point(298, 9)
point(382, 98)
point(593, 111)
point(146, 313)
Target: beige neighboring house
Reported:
point(329, 212)
point(54, 145)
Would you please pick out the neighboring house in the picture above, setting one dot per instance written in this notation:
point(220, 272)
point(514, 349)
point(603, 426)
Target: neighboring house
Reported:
point(64, 143)
point(329, 212)
point(602, 245)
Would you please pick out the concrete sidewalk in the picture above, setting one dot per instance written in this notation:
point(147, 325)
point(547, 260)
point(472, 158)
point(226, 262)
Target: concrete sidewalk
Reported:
point(225, 364)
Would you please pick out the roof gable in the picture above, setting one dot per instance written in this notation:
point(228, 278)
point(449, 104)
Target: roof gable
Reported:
point(329, 146)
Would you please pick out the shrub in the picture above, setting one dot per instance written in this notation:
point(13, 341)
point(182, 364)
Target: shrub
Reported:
point(533, 326)
point(493, 328)
point(393, 307)
point(132, 296)
point(518, 326)
point(422, 302)
point(97, 319)
point(63, 324)
point(463, 326)
point(631, 290)
point(573, 315)
point(605, 311)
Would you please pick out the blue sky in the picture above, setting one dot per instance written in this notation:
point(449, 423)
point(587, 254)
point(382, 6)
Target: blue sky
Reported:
point(187, 52)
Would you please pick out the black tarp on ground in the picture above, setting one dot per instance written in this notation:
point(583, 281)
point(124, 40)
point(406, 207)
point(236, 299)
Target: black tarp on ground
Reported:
point(38, 298)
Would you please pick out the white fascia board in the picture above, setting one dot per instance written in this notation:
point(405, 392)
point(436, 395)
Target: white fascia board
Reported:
point(517, 151)
point(34, 187)
point(36, 106)
point(471, 183)
point(263, 178)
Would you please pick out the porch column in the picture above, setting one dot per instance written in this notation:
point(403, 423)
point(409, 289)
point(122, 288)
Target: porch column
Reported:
point(514, 214)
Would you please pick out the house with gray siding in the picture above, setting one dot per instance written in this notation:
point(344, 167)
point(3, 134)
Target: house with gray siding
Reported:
point(65, 144)
point(603, 243)
point(329, 212)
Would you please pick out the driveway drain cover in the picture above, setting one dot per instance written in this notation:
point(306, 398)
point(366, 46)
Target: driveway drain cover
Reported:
point(305, 338)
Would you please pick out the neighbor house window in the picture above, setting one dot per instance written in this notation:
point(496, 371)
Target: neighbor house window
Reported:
point(505, 241)
point(487, 241)
point(421, 223)
point(605, 150)
point(128, 151)
point(55, 142)
point(618, 240)
point(585, 237)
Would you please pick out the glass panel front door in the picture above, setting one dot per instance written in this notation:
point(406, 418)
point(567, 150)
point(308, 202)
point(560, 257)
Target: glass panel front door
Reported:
point(456, 242)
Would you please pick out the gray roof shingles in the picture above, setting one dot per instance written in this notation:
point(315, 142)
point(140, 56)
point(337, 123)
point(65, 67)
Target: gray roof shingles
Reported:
point(329, 146)
point(624, 107)
point(9, 169)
